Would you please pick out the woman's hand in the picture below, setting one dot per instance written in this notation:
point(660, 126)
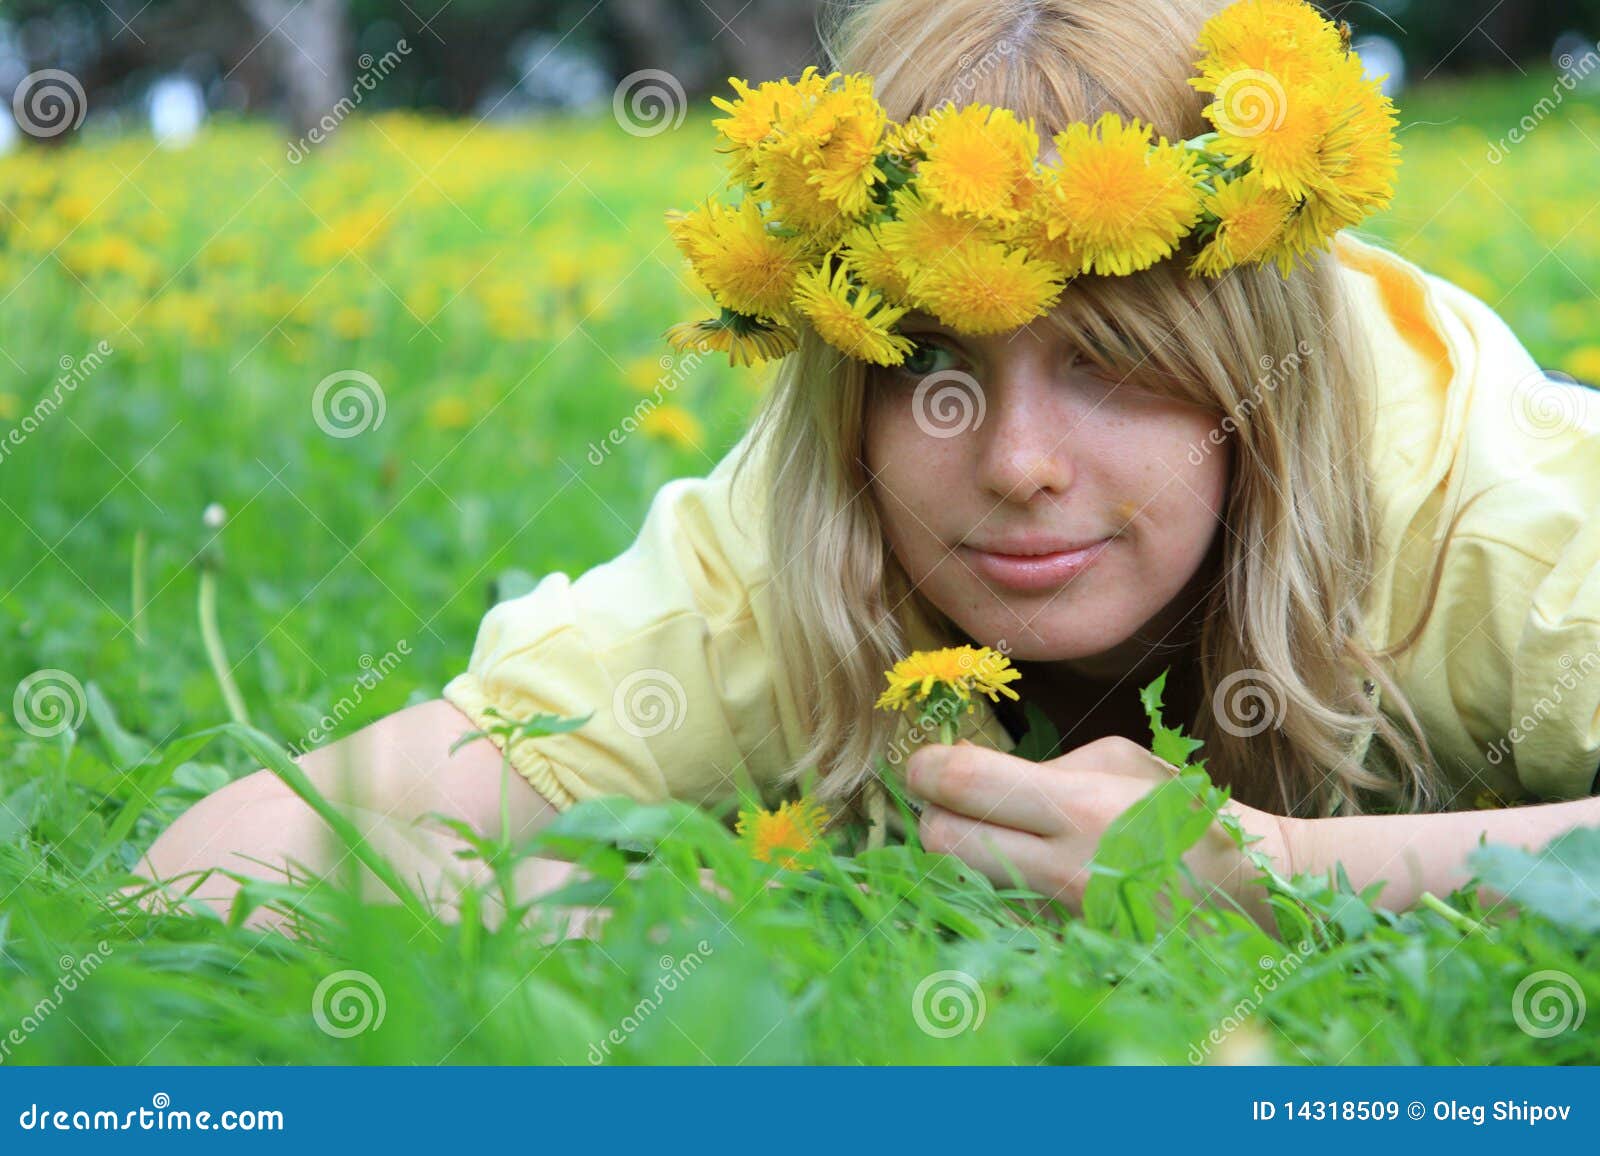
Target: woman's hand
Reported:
point(1047, 818)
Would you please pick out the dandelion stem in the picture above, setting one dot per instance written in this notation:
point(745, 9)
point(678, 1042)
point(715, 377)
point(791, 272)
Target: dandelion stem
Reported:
point(140, 593)
point(213, 642)
point(1461, 921)
point(877, 816)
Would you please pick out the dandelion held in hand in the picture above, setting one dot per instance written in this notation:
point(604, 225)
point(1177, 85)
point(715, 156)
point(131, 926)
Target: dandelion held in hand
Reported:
point(786, 836)
point(935, 684)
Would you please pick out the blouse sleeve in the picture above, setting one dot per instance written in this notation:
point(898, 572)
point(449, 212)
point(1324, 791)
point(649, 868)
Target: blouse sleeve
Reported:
point(1555, 689)
point(663, 644)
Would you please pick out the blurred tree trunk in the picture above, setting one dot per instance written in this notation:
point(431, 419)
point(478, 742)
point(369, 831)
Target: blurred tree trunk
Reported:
point(308, 39)
point(765, 39)
point(703, 43)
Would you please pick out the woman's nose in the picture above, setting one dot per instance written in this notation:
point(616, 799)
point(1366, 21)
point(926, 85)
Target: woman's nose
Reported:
point(1024, 445)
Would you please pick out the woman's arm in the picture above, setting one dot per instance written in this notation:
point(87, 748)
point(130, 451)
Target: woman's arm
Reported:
point(386, 776)
point(1427, 852)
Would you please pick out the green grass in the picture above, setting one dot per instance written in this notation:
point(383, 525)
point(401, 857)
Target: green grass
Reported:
point(506, 288)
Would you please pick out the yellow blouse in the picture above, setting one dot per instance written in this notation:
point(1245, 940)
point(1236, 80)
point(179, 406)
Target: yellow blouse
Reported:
point(669, 644)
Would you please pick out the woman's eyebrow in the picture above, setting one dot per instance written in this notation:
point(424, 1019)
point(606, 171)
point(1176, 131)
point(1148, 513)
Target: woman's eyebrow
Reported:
point(922, 321)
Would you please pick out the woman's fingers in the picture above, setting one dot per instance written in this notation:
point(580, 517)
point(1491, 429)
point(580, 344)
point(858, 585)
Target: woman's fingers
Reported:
point(1007, 857)
point(989, 785)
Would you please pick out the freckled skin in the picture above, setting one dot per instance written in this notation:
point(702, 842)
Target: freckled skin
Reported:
point(1060, 450)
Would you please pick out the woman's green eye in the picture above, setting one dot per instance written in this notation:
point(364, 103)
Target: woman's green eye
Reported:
point(924, 359)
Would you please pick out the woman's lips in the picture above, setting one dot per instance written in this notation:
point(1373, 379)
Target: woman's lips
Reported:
point(1033, 572)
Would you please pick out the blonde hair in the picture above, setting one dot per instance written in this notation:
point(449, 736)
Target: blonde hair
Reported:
point(1300, 507)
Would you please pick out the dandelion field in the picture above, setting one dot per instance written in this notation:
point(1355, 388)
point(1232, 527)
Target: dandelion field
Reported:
point(480, 307)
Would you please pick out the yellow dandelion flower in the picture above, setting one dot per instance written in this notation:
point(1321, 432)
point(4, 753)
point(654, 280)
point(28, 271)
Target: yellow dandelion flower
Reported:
point(1310, 228)
point(903, 140)
point(984, 287)
point(746, 340)
point(787, 836)
point(921, 233)
point(979, 160)
point(852, 319)
point(1583, 364)
point(934, 684)
point(1031, 232)
point(674, 424)
point(1279, 132)
point(796, 201)
point(449, 412)
point(743, 264)
point(871, 262)
point(1359, 152)
point(1122, 201)
point(844, 168)
point(754, 115)
point(1251, 220)
point(1275, 37)
point(960, 669)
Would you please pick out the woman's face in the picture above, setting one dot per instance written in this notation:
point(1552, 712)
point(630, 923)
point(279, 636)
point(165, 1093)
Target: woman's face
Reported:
point(984, 448)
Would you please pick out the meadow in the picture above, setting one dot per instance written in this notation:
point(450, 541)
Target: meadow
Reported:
point(397, 367)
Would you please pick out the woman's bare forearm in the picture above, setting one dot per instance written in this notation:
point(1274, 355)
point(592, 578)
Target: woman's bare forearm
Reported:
point(1426, 852)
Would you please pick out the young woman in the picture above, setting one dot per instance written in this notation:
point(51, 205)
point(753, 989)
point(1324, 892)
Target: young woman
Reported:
point(1342, 506)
